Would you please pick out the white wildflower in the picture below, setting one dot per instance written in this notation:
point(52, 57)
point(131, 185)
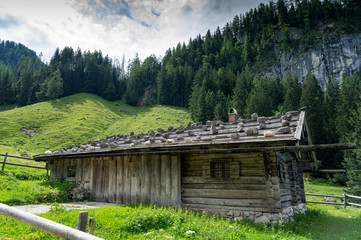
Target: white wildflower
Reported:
point(148, 233)
point(190, 232)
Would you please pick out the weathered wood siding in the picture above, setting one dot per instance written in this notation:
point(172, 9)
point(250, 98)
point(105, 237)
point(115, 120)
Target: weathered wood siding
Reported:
point(253, 190)
point(290, 180)
point(126, 179)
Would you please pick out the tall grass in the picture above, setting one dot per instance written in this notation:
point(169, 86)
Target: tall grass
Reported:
point(150, 222)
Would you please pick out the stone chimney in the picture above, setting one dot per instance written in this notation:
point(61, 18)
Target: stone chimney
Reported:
point(232, 115)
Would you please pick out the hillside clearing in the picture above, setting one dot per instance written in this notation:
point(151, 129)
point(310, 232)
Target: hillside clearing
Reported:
point(76, 119)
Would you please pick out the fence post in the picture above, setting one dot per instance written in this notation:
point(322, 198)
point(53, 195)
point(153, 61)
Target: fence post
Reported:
point(82, 221)
point(6, 155)
point(344, 200)
point(91, 225)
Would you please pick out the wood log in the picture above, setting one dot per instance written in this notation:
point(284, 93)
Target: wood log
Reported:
point(221, 193)
point(213, 208)
point(227, 202)
point(233, 186)
point(332, 170)
point(241, 180)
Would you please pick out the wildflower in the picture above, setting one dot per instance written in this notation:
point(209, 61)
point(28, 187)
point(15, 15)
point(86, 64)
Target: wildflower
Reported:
point(190, 232)
point(148, 233)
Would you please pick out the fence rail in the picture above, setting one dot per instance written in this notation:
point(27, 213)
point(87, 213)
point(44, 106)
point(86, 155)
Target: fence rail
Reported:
point(46, 225)
point(345, 197)
point(6, 156)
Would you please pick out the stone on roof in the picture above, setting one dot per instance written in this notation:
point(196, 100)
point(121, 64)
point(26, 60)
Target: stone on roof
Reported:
point(258, 129)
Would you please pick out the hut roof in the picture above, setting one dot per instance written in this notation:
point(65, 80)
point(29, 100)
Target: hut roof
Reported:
point(258, 130)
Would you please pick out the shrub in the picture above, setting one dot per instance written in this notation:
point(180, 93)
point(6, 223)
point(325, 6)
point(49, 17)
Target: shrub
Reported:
point(340, 179)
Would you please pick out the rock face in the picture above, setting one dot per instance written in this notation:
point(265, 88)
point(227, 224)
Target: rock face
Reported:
point(332, 55)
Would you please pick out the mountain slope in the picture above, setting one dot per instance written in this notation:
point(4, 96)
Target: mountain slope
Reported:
point(76, 119)
point(326, 51)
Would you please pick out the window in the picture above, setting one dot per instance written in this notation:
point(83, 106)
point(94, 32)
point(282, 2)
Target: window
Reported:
point(71, 171)
point(220, 170)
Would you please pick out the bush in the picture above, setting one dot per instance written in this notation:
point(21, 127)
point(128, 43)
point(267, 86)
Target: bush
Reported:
point(340, 179)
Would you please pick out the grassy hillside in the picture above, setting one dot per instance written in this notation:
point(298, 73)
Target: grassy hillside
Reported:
point(76, 119)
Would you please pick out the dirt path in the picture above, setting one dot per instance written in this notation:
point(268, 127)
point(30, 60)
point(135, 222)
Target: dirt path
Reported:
point(42, 208)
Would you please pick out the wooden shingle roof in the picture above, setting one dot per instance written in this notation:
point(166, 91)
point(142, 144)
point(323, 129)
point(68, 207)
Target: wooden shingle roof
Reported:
point(258, 130)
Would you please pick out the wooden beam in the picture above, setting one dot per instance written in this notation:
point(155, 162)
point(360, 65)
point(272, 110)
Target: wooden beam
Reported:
point(301, 148)
point(12, 156)
point(332, 170)
point(21, 165)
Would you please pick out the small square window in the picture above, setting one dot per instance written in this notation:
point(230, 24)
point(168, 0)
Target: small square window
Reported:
point(220, 170)
point(71, 171)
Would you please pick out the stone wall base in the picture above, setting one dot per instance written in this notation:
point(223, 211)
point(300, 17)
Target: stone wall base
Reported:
point(258, 217)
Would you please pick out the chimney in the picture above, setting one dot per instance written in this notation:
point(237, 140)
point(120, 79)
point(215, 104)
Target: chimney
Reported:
point(232, 115)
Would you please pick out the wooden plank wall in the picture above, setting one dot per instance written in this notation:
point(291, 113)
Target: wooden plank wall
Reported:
point(126, 179)
point(249, 192)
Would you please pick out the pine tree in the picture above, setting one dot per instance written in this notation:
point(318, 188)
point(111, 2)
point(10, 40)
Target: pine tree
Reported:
point(292, 93)
point(312, 98)
point(221, 107)
point(197, 103)
point(349, 97)
point(7, 93)
point(241, 92)
point(331, 159)
point(352, 158)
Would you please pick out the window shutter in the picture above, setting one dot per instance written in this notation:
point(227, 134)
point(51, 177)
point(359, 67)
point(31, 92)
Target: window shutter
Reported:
point(206, 171)
point(234, 169)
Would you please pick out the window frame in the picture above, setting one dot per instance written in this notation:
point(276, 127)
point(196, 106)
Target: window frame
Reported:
point(71, 171)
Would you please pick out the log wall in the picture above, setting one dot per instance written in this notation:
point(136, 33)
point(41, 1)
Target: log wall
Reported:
point(290, 179)
point(126, 179)
point(255, 189)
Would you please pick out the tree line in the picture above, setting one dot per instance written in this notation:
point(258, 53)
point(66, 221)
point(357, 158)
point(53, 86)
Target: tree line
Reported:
point(69, 72)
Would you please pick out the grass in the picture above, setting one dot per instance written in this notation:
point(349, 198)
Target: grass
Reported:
point(150, 222)
point(24, 188)
point(336, 222)
point(76, 119)
point(146, 222)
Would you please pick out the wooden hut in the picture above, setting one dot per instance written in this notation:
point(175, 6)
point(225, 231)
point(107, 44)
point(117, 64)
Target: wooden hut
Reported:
point(248, 168)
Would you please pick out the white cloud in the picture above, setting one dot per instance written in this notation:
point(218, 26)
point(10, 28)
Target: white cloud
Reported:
point(115, 27)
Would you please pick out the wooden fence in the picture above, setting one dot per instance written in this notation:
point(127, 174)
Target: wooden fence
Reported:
point(46, 225)
point(345, 197)
point(6, 156)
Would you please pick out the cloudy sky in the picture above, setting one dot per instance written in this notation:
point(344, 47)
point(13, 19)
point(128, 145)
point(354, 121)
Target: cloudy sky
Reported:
point(115, 27)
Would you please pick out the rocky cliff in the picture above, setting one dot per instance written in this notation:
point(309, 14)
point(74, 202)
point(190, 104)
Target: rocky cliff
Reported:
point(332, 55)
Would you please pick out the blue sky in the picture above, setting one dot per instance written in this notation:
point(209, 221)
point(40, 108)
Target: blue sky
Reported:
point(115, 27)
